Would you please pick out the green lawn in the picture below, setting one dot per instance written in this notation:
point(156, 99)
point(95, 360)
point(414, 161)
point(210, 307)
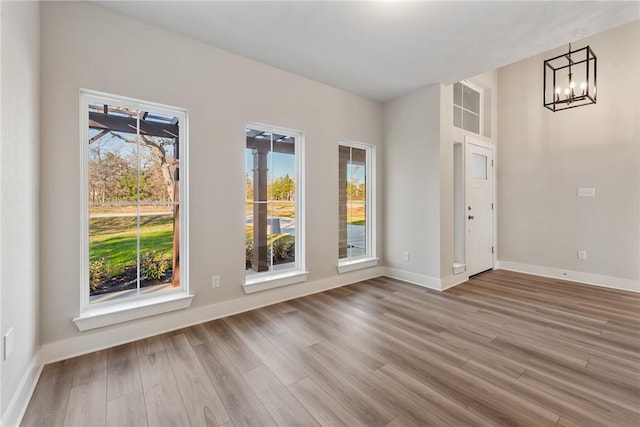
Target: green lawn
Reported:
point(115, 238)
point(280, 209)
point(248, 231)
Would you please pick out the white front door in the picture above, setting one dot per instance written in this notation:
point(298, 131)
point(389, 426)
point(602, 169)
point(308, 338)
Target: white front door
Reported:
point(479, 208)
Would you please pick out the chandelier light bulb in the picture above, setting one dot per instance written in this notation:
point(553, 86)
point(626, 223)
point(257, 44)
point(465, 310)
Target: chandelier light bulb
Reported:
point(583, 87)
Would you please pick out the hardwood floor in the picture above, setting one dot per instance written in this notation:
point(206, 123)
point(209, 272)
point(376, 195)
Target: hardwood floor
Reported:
point(503, 349)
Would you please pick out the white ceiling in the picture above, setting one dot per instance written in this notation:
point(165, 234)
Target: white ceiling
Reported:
point(383, 49)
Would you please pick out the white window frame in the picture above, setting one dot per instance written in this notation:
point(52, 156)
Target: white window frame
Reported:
point(95, 315)
point(369, 259)
point(480, 91)
point(272, 279)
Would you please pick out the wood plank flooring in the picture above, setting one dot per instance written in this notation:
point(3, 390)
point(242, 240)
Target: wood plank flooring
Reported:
point(502, 349)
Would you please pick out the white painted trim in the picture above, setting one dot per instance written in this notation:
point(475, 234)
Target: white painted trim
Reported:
point(459, 267)
point(572, 276)
point(131, 310)
point(351, 264)
point(20, 400)
point(125, 333)
point(424, 280)
point(451, 281)
point(415, 278)
point(274, 281)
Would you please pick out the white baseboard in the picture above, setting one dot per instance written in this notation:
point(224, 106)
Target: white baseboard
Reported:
point(99, 339)
point(424, 280)
point(20, 400)
point(414, 278)
point(451, 281)
point(573, 276)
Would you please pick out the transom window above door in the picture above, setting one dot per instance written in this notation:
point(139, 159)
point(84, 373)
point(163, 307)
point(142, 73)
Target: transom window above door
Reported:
point(467, 107)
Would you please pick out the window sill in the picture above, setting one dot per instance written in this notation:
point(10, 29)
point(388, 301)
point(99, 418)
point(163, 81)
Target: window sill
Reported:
point(98, 317)
point(459, 268)
point(356, 264)
point(262, 283)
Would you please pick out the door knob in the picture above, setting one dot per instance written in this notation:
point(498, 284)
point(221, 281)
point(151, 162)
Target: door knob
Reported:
point(470, 217)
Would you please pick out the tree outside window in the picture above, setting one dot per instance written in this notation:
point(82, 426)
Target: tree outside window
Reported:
point(133, 198)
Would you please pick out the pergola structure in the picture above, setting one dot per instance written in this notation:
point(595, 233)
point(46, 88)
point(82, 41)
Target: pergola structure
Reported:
point(111, 119)
point(261, 143)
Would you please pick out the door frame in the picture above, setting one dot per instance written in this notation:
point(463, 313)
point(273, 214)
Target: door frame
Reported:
point(489, 145)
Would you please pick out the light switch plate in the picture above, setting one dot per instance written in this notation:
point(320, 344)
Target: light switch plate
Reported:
point(586, 192)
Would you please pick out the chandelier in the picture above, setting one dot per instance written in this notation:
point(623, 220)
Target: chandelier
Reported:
point(570, 79)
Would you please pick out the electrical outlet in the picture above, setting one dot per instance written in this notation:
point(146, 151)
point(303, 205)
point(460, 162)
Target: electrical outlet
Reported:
point(406, 256)
point(215, 281)
point(7, 344)
point(582, 254)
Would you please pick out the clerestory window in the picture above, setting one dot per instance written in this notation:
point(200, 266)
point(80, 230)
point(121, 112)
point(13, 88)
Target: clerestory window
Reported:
point(467, 107)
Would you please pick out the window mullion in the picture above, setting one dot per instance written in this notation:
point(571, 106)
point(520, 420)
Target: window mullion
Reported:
point(349, 199)
point(138, 203)
point(270, 204)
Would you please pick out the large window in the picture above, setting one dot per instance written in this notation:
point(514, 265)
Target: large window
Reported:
point(133, 191)
point(355, 202)
point(274, 244)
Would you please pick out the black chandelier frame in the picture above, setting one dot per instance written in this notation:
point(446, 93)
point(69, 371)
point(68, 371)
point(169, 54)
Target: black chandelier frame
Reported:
point(572, 100)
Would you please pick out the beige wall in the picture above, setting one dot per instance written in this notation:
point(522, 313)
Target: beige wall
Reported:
point(446, 182)
point(85, 46)
point(19, 156)
point(543, 157)
point(412, 184)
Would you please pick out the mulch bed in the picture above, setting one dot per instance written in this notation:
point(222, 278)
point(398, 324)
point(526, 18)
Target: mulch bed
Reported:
point(127, 280)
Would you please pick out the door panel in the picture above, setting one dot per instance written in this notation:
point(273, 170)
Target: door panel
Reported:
point(479, 209)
